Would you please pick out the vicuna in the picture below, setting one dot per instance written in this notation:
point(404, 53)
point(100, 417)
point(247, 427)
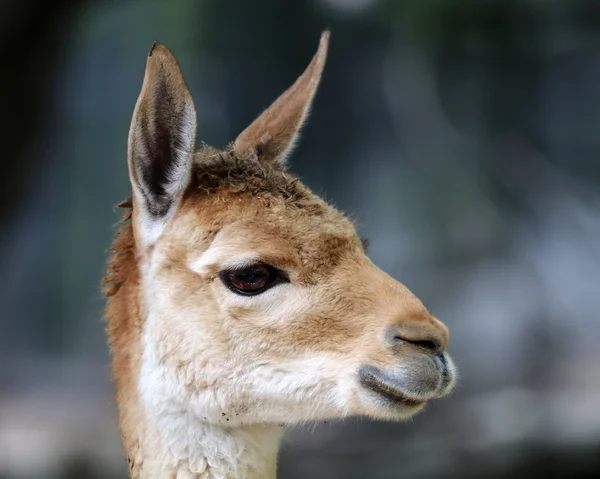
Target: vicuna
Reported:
point(239, 301)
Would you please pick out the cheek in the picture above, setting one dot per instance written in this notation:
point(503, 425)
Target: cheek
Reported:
point(188, 316)
point(292, 318)
point(272, 321)
point(276, 309)
point(328, 332)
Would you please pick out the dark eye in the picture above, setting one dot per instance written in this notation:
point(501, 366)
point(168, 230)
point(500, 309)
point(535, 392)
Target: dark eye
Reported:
point(253, 279)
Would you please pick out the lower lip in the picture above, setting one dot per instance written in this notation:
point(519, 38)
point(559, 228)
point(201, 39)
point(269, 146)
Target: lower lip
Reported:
point(388, 393)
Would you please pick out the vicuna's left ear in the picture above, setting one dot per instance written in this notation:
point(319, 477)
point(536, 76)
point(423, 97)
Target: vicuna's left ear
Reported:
point(272, 135)
point(162, 136)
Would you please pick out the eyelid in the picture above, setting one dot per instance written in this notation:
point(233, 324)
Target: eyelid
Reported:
point(240, 263)
point(243, 263)
point(278, 274)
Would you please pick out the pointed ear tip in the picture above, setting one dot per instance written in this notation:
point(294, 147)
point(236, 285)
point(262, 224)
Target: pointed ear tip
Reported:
point(324, 41)
point(154, 45)
point(159, 53)
point(158, 49)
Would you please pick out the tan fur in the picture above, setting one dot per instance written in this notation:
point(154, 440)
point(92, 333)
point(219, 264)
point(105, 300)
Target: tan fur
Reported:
point(274, 131)
point(203, 376)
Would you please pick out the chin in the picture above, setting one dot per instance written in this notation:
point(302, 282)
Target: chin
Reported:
point(383, 408)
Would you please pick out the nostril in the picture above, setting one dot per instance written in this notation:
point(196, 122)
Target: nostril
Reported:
point(429, 344)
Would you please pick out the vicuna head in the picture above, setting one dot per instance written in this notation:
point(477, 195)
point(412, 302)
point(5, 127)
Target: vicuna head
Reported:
point(240, 300)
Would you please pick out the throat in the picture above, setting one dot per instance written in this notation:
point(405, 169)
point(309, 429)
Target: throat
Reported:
point(207, 451)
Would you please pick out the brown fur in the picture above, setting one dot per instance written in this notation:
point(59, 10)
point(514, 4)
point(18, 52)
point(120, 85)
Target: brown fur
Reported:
point(339, 305)
point(124, 332)
point(272, 134)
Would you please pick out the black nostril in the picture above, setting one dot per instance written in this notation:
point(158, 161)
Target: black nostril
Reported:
point(428, 344)
point(431, 345)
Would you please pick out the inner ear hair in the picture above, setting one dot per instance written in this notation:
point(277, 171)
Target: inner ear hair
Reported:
point(162, 135)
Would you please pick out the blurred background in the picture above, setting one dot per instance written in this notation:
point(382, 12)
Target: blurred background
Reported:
point(463, 135)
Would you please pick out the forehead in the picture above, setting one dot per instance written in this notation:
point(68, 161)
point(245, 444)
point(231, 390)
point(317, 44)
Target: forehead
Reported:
point(300, 232)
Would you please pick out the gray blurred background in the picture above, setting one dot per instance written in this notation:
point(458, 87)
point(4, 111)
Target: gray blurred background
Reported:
point(463, 135)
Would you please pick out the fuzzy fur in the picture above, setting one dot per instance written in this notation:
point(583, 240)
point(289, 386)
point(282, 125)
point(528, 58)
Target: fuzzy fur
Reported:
point(206, 378)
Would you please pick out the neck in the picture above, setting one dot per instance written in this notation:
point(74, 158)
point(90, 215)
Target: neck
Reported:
point(208, 452)
point(177, 440)
point(246, 451)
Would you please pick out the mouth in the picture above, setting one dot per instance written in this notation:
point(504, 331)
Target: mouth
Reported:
point(370, 381)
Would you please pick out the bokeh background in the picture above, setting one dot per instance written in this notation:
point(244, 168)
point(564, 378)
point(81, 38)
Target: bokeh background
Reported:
point(464, 137)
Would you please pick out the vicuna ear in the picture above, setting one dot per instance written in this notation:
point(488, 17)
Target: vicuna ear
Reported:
point(272, 135)
point(162, 136)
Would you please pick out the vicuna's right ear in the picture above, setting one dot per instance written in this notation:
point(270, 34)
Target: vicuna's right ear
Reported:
point(162, 137)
